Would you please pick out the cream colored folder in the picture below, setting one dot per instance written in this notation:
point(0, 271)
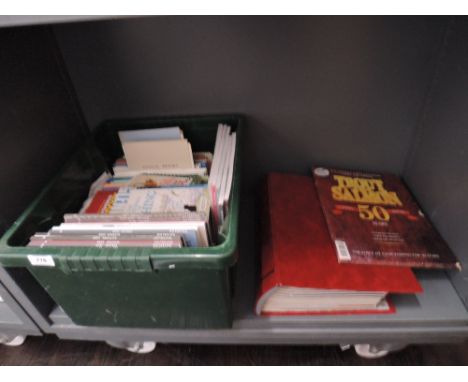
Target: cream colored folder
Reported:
point(167, 154)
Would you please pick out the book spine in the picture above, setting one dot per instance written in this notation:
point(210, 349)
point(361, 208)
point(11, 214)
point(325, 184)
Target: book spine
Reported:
point(109, 236)
point(184, 216)
point(123, 171)
point(191, 237)
point(106, 243)
point(268, 277)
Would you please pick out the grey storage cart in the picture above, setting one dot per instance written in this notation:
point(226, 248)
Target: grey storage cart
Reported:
point(15, 324)
point(372, 93)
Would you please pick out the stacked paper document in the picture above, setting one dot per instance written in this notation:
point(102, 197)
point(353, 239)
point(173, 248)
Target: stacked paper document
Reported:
point(220, 180)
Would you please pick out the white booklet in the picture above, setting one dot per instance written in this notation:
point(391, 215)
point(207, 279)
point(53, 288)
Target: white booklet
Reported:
point(213, 181)
point(158, 134)
point(165, 154)
point(220, 180)
point(226, 185)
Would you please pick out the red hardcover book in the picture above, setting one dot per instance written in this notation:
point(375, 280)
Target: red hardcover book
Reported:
point(99, 201)
point(300, 272)
point(373, 219)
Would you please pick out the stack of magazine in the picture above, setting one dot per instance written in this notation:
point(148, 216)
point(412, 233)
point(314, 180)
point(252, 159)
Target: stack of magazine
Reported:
point(161, 195)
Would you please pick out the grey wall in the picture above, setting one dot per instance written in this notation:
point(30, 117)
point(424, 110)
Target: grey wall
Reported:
point(438, 169)
point(334, 90)
point(39, 123)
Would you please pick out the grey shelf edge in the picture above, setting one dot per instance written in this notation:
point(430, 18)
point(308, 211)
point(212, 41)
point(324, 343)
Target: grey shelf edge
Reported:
point(13, 320)
point(25, 309)
point(411, 324)
point(240, 334)
point(7, 317)
point(13, 21)
point(419, 319)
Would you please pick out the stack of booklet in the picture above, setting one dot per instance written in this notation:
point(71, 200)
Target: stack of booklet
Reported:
point(220, 180)
point(161, 195)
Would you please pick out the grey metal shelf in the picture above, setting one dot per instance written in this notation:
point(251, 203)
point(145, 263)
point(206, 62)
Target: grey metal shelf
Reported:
point(437, 315)
point(13, 21)
point(406, 116)
point(13, 320)
point(412, 324)
point(7, 317)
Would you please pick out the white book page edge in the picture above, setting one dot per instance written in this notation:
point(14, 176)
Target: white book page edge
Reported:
point(213, 179)
point(218, 176)
point(174, 132)
point(216, 151)
point(219, 162)
point(225, 174)
point(231, 168)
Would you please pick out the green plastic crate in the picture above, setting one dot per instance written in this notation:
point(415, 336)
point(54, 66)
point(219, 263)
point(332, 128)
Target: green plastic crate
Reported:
point(129, 287)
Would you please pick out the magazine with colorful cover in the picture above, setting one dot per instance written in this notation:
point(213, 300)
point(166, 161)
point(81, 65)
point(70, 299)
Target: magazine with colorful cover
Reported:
point(373, 219)
point(153, 217)
point(146, 201)
point(202, 166)
point(153, 181)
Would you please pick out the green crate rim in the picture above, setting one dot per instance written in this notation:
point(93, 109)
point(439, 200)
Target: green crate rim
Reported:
point(70, 259)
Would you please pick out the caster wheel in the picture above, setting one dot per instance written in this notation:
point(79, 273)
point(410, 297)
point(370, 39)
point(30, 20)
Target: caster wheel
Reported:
point(370, 351)
point(16, 341)
point(143, 347)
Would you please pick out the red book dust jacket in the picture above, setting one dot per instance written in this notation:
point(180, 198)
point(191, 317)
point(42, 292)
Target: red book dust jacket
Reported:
point(373, 219)
point(297, 250)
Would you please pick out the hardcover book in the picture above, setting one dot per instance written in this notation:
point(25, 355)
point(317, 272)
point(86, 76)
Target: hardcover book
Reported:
point(300, 274)
point(373, 219)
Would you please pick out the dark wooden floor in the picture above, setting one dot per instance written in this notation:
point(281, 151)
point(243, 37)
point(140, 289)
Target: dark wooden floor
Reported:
point(49, 350)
